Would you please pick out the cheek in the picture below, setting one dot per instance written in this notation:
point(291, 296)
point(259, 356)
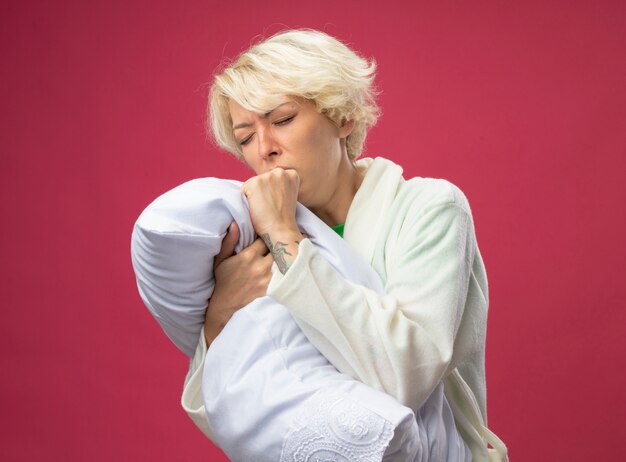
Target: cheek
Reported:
point(252, 162)
point(315, 151)
point(310, 136)
point(322, 137)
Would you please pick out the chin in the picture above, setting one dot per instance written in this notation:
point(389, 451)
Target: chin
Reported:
point(302, 198)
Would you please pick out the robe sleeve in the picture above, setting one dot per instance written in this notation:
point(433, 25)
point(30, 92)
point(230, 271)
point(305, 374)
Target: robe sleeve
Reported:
point(402, 342)
point(191, 399)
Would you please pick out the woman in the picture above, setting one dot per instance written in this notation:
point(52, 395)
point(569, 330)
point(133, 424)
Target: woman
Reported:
point(296, 109)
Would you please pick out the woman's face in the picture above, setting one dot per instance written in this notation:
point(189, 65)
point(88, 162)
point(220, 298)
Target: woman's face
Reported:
point(294, 135)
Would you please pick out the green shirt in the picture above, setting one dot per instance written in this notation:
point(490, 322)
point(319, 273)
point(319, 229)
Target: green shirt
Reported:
point(338, 229)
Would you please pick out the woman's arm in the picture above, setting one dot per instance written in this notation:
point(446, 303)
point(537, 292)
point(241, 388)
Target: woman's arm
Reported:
point(239, 279)
point(405, 341)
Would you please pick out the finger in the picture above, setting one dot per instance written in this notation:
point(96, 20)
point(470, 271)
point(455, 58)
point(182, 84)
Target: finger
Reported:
point(292, 173)
point(295, 178)
point(269, 261)
point(258, 247)
point(245, 187)
point(228, 244)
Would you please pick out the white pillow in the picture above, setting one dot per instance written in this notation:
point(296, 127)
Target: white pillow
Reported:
point(269, 394)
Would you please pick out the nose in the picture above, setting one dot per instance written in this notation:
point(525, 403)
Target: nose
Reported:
point(267, 145)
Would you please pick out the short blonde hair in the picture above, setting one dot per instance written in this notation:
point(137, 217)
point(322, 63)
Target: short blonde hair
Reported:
point(302, 63)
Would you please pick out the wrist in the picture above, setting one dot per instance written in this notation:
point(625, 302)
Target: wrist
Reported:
point(283, 245)
point(215, 320)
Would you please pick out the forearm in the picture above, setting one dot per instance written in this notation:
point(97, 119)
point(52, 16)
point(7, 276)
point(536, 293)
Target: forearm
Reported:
point(403, 340)
point(212, 328)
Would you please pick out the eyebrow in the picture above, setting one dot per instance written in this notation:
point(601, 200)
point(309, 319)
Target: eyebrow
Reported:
point(249, 124)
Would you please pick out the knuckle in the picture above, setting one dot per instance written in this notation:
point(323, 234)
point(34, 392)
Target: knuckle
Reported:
point(259, 269)
point(246, 256)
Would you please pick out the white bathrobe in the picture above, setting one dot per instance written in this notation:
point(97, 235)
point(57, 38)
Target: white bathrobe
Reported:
point(430, 324)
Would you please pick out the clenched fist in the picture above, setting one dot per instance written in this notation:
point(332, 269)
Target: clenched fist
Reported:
point(272, 197)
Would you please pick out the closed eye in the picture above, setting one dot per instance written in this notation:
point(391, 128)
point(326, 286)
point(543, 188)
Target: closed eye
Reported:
point(279, 123)
point(285, 121)
point(245, 140)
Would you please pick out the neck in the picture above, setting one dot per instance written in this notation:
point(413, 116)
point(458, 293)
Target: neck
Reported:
point(335, 210)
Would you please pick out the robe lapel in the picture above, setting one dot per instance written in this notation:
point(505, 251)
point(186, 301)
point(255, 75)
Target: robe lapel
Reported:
point(371, 204)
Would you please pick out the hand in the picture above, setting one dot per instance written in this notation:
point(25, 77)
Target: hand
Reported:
point(239, 279)
point(272, 198)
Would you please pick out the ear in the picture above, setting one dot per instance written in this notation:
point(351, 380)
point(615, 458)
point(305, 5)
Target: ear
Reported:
point(346, 128)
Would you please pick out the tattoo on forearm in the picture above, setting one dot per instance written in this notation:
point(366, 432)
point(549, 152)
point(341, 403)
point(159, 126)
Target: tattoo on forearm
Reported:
point(279, 251)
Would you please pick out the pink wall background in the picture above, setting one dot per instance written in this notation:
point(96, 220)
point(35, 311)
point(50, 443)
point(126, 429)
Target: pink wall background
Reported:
point(521, 104)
